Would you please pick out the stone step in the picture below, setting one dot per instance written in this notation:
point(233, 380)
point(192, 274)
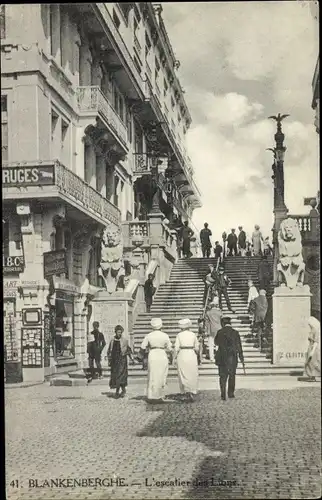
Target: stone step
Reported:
point(139, 374)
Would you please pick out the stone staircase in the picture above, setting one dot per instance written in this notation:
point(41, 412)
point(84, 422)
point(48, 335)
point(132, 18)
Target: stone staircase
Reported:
point(182, 297)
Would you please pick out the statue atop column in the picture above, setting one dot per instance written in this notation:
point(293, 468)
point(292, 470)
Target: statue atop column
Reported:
point(291, 265)
point(111, 267)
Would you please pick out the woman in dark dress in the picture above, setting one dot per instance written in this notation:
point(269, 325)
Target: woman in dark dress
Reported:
point(118, 351)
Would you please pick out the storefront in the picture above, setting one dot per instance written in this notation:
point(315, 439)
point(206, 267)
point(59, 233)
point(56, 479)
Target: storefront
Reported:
point(12, 361)
point(63, 315)
point(64, 325)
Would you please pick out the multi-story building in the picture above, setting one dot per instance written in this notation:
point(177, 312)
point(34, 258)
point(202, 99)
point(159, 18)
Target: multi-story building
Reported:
point(314, 6)
point(93, 123)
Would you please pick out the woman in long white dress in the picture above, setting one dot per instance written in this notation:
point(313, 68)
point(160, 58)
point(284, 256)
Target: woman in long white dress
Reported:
point(186, 349)
point(312, 367)
point(159, 345)
point(257, 238)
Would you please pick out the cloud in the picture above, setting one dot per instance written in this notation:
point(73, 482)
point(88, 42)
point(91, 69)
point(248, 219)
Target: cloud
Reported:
point(245, 62)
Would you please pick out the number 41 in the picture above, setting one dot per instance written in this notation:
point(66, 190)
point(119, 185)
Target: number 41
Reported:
point(14, 483)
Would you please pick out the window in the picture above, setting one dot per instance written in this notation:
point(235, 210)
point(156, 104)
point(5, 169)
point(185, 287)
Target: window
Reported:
point(2, 21)
point(165, 87)
point(129, 126)
point(148, 45)
point(64, 338)
point(55, 32)
point(138, 138)
point(54, 130)
point(125, 9)
point(116, 198)
point(135, 25)
point(65, 142)
point(4, 128)
point(116, 20)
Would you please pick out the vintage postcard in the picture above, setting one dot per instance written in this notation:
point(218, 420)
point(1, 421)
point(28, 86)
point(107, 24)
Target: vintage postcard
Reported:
point(161, 250)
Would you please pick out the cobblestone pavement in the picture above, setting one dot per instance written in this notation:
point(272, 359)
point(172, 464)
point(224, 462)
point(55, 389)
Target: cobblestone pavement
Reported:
point(266, 442)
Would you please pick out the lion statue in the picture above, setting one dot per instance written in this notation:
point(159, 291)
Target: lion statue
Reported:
point(291, 266)
point(112, 266)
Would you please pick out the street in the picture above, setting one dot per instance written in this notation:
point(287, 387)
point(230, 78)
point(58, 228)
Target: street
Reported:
point(79, 442)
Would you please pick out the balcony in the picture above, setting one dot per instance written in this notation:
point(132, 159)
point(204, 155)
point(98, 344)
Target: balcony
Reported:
point(92, 102)
point(170, 134)
point(137, 46)
point(51, 181)
point(158, 235)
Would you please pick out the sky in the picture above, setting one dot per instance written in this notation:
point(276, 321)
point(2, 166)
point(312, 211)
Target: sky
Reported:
point(241, 62)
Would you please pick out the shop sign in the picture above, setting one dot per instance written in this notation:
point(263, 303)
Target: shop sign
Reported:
point(13, 264)
point(55, 263)
point(10, 288)
point(65, 285)
point(42, 175)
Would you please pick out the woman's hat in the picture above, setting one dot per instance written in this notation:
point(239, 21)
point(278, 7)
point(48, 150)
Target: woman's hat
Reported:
point(156, 323)
point(314, 324)
point(262, 292)
point(184, 323)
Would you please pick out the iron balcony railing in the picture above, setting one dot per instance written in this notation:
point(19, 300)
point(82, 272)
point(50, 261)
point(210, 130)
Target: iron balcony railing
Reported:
point(40, 178)
point(92, 100)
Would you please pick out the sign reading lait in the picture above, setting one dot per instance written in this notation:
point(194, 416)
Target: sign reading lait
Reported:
point(28, 176)
point(55, 263)
point(13, 264)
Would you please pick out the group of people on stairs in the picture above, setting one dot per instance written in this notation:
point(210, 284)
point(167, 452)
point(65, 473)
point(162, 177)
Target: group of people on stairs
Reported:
point(236, 244)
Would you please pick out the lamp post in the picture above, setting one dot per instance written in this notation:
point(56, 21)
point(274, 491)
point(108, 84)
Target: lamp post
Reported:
point(280, 210)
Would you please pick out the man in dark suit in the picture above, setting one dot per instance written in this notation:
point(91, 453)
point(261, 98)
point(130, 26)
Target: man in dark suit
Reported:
point(95, 347)
point(232, 243)
point(229, 350)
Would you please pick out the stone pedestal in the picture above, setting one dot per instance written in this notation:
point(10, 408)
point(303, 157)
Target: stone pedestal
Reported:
point(110, 310)
point(291, 311)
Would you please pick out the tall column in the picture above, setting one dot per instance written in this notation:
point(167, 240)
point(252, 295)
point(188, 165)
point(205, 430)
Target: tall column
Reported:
point(280, 209)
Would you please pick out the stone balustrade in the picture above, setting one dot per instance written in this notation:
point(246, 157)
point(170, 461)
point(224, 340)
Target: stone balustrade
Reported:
point(92, 100)
point(309, 225)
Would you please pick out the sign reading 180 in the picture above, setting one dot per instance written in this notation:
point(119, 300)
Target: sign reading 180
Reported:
point(28, 176)
point(13, 264)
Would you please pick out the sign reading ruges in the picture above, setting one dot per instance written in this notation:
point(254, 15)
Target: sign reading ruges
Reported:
point(55, 263)
point(28, 176)
point(13, 264)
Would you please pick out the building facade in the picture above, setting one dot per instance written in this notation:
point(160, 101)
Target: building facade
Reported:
point(314, 6)
point(93, 123)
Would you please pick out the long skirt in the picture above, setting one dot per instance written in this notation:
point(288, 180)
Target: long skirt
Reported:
point(119, 372)
point(313, 367)
point(158, 366)
point(257, 245)
point(187, 363)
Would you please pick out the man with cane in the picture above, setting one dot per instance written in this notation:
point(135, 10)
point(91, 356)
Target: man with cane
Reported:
point(229, 350)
